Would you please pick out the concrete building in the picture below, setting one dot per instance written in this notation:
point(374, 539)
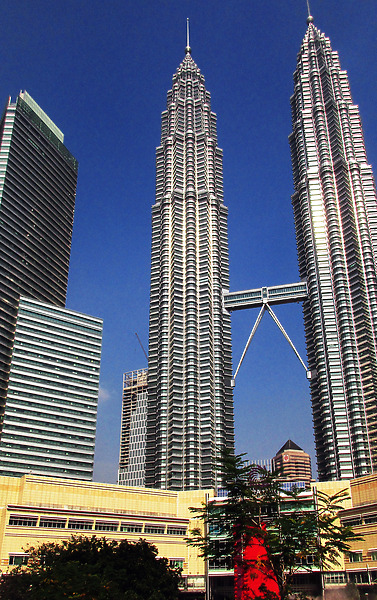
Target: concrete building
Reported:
point(190, 402)
point(335, 210)
point(360, 565)
point(133, 428)
point(51, 410)
point(36, 509)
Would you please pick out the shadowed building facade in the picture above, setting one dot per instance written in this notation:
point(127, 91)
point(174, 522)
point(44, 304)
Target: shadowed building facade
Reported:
point(190, 402)
point(49, 356)
point(38, 177)
point(335, 210)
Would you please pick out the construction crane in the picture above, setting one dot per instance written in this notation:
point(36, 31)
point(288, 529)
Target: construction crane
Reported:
point(142, 347)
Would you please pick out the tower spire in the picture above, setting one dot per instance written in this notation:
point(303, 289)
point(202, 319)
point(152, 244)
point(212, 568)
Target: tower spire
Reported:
point(188, 49)
point(310, 18)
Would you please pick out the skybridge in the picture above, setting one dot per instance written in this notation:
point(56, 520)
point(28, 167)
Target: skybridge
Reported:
point(278, 294)
point(264, 298)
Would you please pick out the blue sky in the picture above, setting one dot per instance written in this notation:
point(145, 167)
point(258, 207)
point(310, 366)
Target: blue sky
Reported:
point(101, 71)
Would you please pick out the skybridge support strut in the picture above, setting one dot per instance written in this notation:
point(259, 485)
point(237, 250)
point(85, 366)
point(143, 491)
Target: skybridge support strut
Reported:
point(266, 307)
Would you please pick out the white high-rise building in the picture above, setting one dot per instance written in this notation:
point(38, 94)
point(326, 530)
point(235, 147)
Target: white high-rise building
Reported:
point(51, 411)
point(190, 401)
point(335, 208)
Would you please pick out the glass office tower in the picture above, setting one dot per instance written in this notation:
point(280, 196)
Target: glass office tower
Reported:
point(335, 209)
point(190, 402)
point(38, 177)
point(49, 356)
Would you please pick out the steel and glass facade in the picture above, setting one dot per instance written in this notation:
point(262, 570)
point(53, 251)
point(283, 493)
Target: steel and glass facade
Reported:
point(190, 403)
point(335, 209)
point(51, 410)
point(38, 178)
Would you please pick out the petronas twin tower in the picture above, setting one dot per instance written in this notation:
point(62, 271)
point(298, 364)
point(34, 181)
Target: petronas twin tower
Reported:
point(190, 404)
point(335, 209)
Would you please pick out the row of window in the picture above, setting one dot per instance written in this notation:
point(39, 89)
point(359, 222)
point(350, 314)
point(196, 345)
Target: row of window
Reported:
point(358, 556)
point(89, 524)
point(22, 559)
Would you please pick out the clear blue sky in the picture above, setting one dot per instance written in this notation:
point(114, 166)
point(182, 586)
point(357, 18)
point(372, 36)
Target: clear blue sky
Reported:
point(101, 71)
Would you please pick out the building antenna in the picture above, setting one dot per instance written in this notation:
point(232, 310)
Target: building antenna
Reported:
point(142, 347)
point(188, 49)
point(310, 18)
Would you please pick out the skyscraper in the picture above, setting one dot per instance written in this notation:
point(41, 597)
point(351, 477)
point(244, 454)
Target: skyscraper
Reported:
point(335, 209)
point(49, 356)
point(190, 404)
point(38, 177)
point(51, 409)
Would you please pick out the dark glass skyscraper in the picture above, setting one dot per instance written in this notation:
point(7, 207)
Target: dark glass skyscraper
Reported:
point(335, 209)
point(190, 403)
point(38, 178)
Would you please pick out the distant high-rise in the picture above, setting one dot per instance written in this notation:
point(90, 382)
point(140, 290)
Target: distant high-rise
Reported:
point(133, 428)
point(335, 209)
point(38, 177)
point(49, 356)
point(293, 463)
point(190, 402)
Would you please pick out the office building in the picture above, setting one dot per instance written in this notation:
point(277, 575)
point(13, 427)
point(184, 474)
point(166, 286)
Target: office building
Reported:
point(294, 465)
point(38, 178)
point(49, 356)
point(51, 411)
point(335, 210)
point(133, 429)
point(190, 403)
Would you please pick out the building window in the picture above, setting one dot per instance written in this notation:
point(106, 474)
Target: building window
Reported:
point(106, 526)
point(372, 554)
point(335, 577)
point(51, 522)
point(23, 521)
point(156, 529)
point(131, 528)
point(177, 530)
point(355, 556)
point(18, 559)
point(74, 524)
point(176, 563)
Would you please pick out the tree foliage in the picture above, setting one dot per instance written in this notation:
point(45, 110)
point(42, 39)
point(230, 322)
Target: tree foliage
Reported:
point(92, 568)
point(296, 534)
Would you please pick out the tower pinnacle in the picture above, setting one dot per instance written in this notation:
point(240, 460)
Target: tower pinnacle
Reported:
point(188, 49)
point(310, 18)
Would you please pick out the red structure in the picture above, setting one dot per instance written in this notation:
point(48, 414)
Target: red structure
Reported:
point(253, 575)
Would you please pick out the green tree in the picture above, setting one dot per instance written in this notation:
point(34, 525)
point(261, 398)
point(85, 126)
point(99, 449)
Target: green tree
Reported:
point(92, 568)
point(295, 533)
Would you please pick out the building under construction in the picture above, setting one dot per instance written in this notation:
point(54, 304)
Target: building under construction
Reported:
point(132, 433)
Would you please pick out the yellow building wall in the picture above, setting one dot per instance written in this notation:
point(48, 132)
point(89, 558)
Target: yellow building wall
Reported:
point(330, 488)
point(364, 500)
point(53, 497)
point(364, 490)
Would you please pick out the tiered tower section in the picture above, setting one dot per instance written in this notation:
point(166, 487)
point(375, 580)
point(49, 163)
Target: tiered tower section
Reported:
point(190, 404)
point(335, 210)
